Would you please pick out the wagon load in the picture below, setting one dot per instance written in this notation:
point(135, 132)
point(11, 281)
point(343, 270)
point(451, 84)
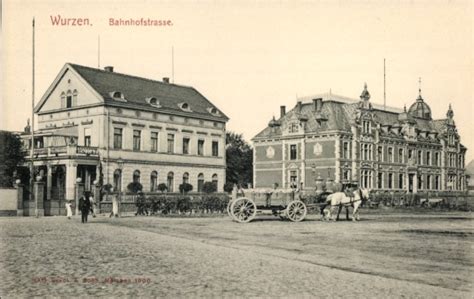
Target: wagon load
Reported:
point(277, 202)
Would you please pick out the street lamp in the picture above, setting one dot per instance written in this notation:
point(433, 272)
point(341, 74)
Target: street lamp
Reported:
point(119, 195)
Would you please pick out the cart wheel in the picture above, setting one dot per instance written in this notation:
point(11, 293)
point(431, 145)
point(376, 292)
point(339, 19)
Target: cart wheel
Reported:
point(228, 209)
point(296, 211)
point(243, 210)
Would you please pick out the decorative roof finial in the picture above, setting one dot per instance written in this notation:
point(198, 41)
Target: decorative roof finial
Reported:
point(419, 89)
point(405, 108)
point(365, 93)
point(450, 112)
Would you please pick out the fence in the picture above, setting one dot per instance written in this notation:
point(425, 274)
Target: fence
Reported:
point(167, 203)
point(445, 200)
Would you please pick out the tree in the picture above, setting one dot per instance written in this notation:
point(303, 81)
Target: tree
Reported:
point(239, 156)
point(209, 187)
point(12, 157)
point(135, 187)
point(185, 188)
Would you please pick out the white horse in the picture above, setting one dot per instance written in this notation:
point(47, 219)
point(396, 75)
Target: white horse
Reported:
point(339, 199)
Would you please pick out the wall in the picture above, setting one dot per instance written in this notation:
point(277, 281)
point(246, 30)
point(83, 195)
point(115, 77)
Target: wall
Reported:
point(8, 201)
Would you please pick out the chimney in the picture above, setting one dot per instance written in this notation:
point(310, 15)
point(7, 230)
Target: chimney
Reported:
point(109, 69)
point(282, 111)
point(166, 80)
point(298, 106)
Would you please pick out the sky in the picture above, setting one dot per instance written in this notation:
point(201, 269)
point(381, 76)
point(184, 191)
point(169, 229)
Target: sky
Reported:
point(250, 57)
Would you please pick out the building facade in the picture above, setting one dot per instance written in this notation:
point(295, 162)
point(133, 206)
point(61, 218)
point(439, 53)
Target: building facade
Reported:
point(112, 128)
point(353, 141)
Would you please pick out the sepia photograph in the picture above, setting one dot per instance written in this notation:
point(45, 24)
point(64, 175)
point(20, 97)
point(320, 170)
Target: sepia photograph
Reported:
point(243, 149)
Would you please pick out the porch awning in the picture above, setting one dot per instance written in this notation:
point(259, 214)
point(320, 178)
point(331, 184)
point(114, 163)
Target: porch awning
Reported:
point(71, 131)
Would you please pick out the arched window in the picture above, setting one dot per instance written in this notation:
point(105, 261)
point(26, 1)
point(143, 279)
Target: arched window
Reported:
point(63, 100)
point(170, 181)
point(117, 180)
point(214, 179)
point(186, 178)
point(74, 98)
point(153, 180)
point(200, 182)
point(69, 99)
point(136, 176)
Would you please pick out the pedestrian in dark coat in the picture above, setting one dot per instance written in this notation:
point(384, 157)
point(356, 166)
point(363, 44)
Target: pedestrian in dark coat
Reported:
point(85, 207)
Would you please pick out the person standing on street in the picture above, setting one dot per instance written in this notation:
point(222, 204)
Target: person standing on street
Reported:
point(68, 209)
point(93, 204)
point(84, 206)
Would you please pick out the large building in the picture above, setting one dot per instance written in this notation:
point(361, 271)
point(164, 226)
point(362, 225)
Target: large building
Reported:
point(102, 125)
point(349, 140)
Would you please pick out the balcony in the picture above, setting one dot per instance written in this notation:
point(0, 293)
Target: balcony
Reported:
point(62, 151)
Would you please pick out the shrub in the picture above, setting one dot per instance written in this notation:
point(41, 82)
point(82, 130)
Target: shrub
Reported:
point(134, 187)
point(162, 187)
point(185, 188)
point(209, 187)
point(228, 187)
point(107, 188)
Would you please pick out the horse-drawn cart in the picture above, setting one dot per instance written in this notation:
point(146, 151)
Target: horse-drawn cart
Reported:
point(287, 204)
point(284, 203)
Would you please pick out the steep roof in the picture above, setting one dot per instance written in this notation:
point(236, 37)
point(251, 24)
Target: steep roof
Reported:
point(340, 112)
point(470, 168)
point(137, 90)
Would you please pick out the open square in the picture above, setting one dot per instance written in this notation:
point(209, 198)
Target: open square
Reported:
point(386, 254)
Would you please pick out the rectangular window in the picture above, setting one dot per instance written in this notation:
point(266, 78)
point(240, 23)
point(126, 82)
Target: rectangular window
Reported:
point(437, 182)
point(379, 153)
point(380, 180)
point(154, 141)
point(420, 182)
point(293, 152)
point(401, 179)
point(215, 148)
point(428, 158)
point(400, 155)
point(428, 182)
point(390, 181)
point(390, 154)
point(170, 144)
point(137, 139)
point(185, 146)
point(420, 158)
point(345, 152)
point(117, 138)
point(366, 179)
point(87, 136)
point(201, 147)
point(410, 154)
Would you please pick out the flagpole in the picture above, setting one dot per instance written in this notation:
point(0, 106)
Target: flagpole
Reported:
point(32, 150)
point(384, 95)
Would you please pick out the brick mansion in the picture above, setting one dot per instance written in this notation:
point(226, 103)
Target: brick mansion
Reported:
point(354, 141)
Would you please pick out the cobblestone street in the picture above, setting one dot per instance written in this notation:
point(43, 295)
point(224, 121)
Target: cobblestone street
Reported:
point(384, 256)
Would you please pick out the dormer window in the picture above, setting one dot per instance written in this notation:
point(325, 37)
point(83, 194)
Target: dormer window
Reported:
point(153, 102)
point(117, 95)
point(185, 107)
point(366, 127)
point(213, 110)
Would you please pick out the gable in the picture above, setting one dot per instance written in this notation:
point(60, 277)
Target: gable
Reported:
point(68, 84)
